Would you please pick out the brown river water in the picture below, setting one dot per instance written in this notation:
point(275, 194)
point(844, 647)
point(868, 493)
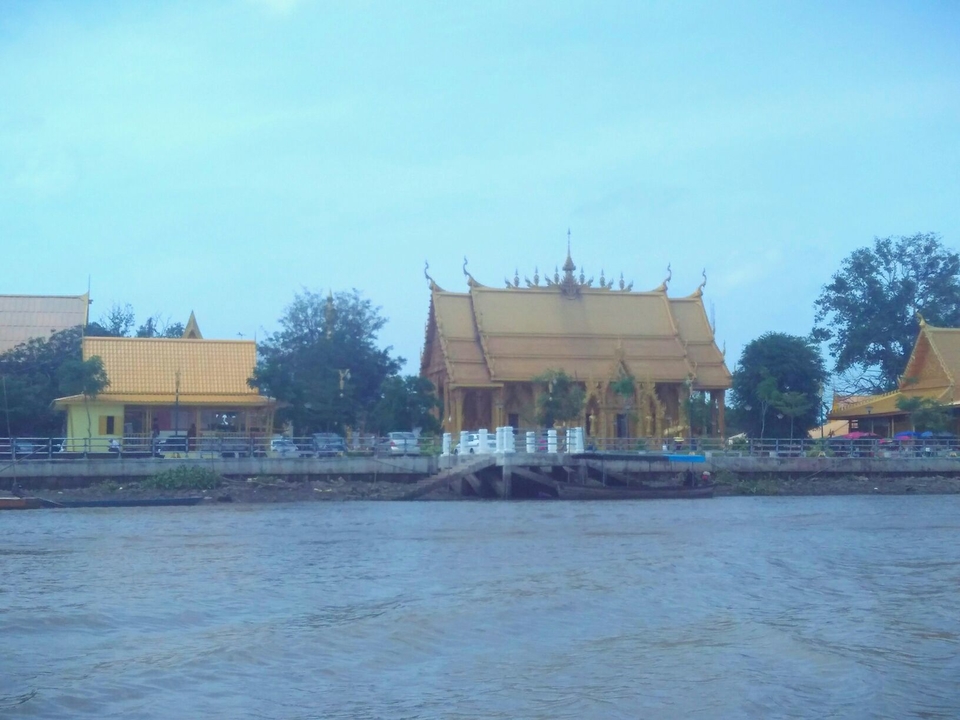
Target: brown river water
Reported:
point(798, 607)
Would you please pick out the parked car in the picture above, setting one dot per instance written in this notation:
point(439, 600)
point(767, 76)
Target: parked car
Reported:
point(282, 446)
point(401, 443)
point(473, 444)
point(328, 444)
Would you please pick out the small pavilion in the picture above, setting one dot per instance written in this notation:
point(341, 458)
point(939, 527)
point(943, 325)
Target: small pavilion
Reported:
point(932, 372)
point(160, 387)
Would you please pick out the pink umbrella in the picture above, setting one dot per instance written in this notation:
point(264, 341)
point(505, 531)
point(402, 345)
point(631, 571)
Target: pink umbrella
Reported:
point(857, 435)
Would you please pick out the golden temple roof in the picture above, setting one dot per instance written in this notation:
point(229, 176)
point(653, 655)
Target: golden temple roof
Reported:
point(23, 317)
point(162, 370)
point(931, 372)
point(493, 335)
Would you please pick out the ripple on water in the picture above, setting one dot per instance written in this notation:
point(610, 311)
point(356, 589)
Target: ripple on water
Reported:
point(785, 607)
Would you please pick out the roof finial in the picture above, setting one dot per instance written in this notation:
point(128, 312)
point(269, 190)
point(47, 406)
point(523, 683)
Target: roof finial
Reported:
point(666, 280)
point(923, 323)
point(470, 281)
point(699, 291)
point(433, 285)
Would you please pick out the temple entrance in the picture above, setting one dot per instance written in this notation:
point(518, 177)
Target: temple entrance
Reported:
point(622, 426)
point(477, 409)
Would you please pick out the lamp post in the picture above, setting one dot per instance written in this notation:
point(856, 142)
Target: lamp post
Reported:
point(869, 410)
point(176, 405)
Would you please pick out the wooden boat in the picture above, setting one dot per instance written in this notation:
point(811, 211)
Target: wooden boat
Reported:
point(130, 502)
point(24, 503)
point(569, 491)
point(33, 503)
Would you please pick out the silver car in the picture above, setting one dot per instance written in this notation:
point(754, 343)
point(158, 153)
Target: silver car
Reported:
point(401, 443)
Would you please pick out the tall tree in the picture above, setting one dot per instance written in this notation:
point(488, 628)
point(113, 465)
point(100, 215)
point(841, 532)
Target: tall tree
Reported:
point(561, 400)
point(304, 364)
point(868, 311)
point(771, 366)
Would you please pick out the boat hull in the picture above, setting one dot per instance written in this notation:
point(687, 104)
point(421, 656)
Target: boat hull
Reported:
point(151, 502)
point(582, 492)
point(27, 503)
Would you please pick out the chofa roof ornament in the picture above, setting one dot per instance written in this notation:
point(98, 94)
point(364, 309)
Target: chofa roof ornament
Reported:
point(666, 281)
point(426, 267)
point(470, 281)
point(699, 291)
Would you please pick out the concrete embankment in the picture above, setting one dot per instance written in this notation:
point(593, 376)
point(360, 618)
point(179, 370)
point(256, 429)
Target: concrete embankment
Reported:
point(297, 479)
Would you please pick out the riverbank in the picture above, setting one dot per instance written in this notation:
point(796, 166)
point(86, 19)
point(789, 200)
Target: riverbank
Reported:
point(273, 490)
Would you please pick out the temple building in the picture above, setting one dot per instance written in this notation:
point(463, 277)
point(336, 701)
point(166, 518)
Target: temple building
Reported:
point(25, 317)
point(932, 372)
point(162, 386)
point(485, 347)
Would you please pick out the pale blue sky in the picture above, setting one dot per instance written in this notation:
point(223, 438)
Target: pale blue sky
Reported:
point(218, 156)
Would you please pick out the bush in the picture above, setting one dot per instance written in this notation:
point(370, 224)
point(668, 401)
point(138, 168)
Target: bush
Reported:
point(183, 477)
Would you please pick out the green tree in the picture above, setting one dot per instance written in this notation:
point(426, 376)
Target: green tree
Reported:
point(769, 367)
point(118, 321)
point(84, 377)
point(767, 394)
point(406, 403)
point(868, 311)
point(793, 404)
point(925, 413)
point(156, 327)
point(304, 364)
point(31, 377)
point(562, 399)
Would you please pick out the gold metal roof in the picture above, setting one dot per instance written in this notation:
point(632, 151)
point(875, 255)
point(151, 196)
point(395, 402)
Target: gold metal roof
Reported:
point(23, 317)
point(931, 372)
point(159, 370)
point(495, 335)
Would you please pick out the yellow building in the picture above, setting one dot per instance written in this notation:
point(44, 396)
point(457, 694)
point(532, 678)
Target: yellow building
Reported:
point(484, 347)
point(161, 387)
point(931, 372)
point(25, 317)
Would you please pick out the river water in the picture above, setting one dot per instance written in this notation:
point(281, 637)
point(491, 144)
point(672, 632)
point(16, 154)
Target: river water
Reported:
point(809, 607)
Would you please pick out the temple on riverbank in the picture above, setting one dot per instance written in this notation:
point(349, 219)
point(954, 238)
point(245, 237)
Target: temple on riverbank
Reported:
point(931, 373)
point(159, 387)
point(647, 362)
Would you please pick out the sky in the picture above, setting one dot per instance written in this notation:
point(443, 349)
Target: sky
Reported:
point(222, 156)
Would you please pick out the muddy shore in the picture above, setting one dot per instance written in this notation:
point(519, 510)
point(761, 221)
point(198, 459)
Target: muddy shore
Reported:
point(272, 490)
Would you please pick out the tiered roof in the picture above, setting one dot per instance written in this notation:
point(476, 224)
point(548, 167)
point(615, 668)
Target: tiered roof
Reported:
point(931, 372)
point(488, 336)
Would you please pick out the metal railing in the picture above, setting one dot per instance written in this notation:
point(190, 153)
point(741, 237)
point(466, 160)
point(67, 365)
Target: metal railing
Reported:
point(207, 445)
point(28, 449)
point(737, 447)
